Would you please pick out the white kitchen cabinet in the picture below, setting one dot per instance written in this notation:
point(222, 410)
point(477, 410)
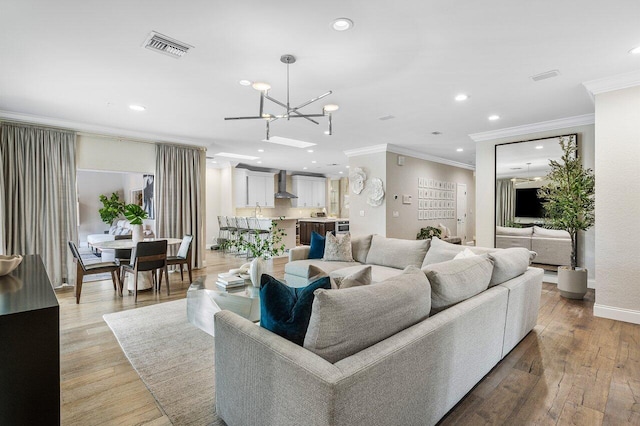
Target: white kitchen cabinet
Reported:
point(311, 191)
point(253, 188)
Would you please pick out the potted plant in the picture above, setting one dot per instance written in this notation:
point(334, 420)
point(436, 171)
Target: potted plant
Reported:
point(135, 215)
point(112, 208)
point(261, 249)
point(569, 204)
point(428, 232)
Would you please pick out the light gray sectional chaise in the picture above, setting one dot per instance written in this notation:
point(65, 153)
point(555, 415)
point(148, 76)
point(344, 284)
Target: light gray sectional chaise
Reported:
point(412, 376)
point(553, 247)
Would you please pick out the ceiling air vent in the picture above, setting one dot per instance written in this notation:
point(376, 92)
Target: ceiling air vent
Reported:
point(166, 45)
point(545, 75)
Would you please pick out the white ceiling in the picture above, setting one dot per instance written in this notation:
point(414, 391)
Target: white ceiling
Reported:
point(524, 159)
point(82, 62)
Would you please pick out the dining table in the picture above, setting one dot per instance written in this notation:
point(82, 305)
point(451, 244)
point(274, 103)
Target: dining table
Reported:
point(145, 281)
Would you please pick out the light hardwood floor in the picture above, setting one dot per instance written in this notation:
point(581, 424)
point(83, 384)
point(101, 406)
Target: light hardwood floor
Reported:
point(572, 369)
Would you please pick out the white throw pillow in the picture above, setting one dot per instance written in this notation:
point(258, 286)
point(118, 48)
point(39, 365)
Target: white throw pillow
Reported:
point(465, 254)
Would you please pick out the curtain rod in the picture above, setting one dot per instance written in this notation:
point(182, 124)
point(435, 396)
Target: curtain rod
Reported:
point(37, 126)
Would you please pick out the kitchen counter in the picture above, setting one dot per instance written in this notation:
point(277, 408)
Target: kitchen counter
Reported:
point(322, 219)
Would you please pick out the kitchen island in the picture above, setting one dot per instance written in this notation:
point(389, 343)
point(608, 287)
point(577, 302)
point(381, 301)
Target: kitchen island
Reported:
point(321, 225)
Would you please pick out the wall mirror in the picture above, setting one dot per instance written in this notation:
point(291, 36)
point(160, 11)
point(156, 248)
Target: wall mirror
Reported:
point(521, 168)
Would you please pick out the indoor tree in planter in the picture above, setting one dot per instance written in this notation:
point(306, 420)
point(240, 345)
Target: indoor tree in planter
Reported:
point(135, 215)
point(569, 204)
point(112, 208)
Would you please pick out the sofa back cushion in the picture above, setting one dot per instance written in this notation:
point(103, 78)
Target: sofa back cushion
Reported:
point(397, 253)
point(516, 232)
point(286, 310)
point(344, 322)
point(442, 251)
point(360, 247)
point(549, 233)
point(457, 280)
point(509, 263)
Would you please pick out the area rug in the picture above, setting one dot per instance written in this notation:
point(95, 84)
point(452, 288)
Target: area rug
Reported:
point(173, 358)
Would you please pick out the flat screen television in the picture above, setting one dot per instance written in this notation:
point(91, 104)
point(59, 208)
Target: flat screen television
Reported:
point(528, 204)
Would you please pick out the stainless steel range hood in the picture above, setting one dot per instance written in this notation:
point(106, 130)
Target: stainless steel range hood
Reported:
point(282, 186)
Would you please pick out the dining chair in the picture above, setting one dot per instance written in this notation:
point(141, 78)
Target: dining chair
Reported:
point(148, 256)
point(183, 257)
point(92, 269)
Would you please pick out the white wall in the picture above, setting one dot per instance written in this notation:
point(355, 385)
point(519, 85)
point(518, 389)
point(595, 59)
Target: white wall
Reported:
point(485, 189)
point(90, 186)
point(115, 155)
point(373, 220)
point(617, 170)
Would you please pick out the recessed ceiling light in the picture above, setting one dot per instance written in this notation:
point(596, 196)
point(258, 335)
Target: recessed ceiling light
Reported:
point(137, 107)
point(313, 162)
point(341, 172)
point(459, 149)
point(331, 108)
point(214, 162)
point(494, 117)
point(304, 168)
point(342, 24)
point(326, 132)
point(261, 86)
point(261, 150)
point(244, 83)
point(347, 167)
point(240, 156)
point(539, 147)
point(289, 142)
point(462, 97)
point(309, 150)
point(635, 51)
point(259, 162)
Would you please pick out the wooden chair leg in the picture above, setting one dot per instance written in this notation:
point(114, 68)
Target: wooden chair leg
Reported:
point(135, 287)
point(166, 273)
point(113, 278)
point(79, 278)
point(189, 269)
point(158, 280)
point(181, 276)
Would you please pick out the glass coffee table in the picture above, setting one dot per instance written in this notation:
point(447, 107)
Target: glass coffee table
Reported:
point(205, 298)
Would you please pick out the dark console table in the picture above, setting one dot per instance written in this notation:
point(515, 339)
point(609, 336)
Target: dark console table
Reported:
point(29, 347)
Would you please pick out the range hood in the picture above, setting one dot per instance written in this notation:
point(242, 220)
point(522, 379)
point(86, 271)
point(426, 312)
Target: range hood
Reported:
point(282, 186)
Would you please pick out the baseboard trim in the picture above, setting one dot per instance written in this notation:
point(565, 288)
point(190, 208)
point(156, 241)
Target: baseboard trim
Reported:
point(618, 314)
point(591, 283)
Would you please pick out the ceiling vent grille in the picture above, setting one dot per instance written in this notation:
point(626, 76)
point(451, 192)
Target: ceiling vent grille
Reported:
point(166, 45)
point(545, 75)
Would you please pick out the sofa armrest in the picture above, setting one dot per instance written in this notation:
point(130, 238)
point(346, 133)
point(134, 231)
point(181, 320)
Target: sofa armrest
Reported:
point(299, 253)
point(263, 379)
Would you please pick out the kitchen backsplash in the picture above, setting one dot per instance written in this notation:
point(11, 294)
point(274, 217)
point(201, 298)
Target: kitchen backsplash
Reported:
point(282, 208)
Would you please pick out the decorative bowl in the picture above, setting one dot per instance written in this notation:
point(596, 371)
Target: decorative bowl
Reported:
point(9, 263)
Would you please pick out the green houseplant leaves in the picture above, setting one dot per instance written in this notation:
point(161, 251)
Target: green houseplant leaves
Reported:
point(112, 208)
point(135, 214)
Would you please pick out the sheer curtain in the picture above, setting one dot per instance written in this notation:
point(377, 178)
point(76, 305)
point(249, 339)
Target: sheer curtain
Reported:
point(505, 201)
point(38, 196)
point(179, 200)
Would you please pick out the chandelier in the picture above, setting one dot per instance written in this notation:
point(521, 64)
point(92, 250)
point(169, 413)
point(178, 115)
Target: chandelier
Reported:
point(290, 112)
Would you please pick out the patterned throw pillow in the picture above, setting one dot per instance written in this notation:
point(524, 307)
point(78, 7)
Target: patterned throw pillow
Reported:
point(338, 249)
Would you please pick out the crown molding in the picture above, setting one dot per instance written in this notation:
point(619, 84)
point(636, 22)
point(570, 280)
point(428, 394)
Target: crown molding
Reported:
point(615, 82)
point(396, 149)
point(544, 126)
point(93, 129)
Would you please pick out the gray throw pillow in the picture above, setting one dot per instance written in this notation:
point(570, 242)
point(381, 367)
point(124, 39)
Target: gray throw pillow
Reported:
point(355, 279)
point(337, 248)
point(442, 251)
point(314, 274)
point(457, 280)
point(360, 247)
point(509, 263)
point(396, 253)
point(347, 321)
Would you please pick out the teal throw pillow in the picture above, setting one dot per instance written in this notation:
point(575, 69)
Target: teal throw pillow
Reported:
point(286, 310)
point(316, 250)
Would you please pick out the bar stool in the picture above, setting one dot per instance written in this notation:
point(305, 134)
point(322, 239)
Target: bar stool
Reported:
point(232, 227)
point(242, 226)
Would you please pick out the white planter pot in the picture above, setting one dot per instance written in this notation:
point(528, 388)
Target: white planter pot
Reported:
point(137, 234)
point(256, 269)
point(572, 283)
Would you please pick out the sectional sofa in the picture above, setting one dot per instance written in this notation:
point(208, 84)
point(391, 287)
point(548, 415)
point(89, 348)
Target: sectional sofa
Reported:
point(553, 247)
point(403, 350)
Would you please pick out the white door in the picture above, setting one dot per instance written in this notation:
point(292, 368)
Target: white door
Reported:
point(461, 209)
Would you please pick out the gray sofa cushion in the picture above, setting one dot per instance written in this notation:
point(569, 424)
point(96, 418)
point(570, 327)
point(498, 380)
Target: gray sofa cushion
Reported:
point(457, 280)
point(360, 247)
point(357, 278)
point(442, 251)
point(300, 268)
point(518, 232)
point(550, 233)
point(509, 263)
point(396, 253)
point(343, 322)
point(378, 273)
